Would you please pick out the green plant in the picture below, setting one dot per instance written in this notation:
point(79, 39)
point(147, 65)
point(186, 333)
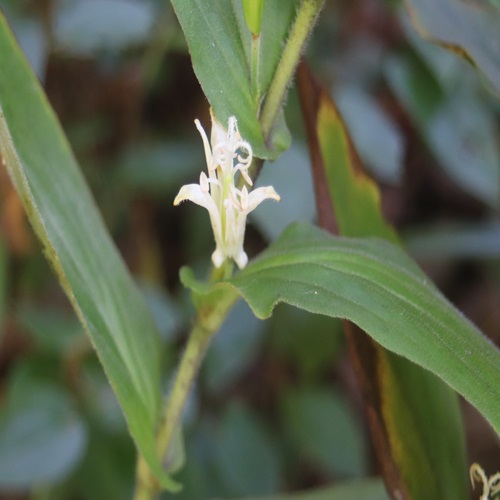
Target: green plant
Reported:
point(411, 348)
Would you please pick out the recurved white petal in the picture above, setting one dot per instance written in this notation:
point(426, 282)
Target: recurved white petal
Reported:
point(206, 144)
point(195, 193)
point(257, 196)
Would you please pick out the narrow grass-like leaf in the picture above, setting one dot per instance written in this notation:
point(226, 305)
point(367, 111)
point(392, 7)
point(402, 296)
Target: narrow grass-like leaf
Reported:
point(76, 243)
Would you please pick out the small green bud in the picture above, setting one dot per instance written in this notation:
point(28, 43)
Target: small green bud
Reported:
point(253, 14)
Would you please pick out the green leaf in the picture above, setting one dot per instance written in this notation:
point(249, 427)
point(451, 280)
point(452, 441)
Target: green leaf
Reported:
point(52, 330)
point(107, 470)
point(458, 127)
point(324, 430)
point(413, 415)
point(456, 241)
point(276, 21)
point(470, 29)
point(197, 476)
point(415, 86)
point(355, 196)
point(233, 349)
point(377, 139)
point(29, 34)
point(376, 286)
point(253, 14)
point(41, 437)
point(219, 48)
point(76, 243)
point(369, 489)
point(246, 459)
point(312, 354)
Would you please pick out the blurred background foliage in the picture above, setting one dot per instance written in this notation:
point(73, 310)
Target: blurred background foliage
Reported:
point(276, 407)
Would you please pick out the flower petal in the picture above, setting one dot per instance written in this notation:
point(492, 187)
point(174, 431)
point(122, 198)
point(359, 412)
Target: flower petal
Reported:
point(194, 193)
point(206, 144)
point(219, 133)
point(241, 259)
point(257, 196)
point(218, 257)
point(243, 171)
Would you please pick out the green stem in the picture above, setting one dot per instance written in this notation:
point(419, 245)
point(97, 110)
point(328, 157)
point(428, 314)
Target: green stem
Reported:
point(304, 23)
point(146, 485)
point(254, 70)
point(209, 320)
point(222, 273)
point(190, 363)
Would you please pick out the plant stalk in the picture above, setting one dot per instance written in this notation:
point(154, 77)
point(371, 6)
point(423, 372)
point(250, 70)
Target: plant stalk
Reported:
point(305, 20)
point(190, 363)
point(209, 320)
point(254, 69)
point(146, 485)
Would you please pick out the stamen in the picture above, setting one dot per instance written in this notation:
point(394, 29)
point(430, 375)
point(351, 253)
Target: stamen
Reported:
point(232, 131)
point(243, 171)
point(206, 143)
point(204, 183)
point(243, 146)
point(233, 200)
point(220, 155)
point(244, 198)
point(478, 475)
point(494, 484)
point(245, 160)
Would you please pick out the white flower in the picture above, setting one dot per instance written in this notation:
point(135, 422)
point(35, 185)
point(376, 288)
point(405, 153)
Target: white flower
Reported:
point(491, 485)
point(227, 205)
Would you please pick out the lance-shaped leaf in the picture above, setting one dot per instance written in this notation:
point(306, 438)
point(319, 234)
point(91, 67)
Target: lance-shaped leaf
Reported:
point(414, 418)
point(77, 245)
point(374, 284)
point(219, 44)
point(471, 29)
